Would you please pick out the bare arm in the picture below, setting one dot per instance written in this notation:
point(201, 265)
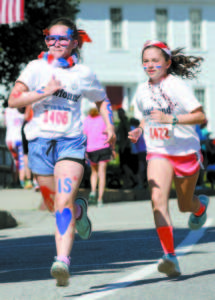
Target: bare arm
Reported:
point(21, 96)
point(105, 109)
point(135, 134)
point(195, 117)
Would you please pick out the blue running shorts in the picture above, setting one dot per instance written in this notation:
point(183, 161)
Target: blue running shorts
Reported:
point(44, 153)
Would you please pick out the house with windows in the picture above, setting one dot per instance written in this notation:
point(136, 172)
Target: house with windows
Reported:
point(119, 29)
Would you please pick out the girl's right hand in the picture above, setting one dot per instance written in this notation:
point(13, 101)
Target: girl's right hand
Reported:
point(52, 86)
point(135, 134)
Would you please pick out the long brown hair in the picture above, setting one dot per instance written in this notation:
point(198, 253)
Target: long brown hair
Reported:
point(185, 66)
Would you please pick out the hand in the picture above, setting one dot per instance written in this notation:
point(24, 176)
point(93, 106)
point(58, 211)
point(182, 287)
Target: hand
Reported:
point(52, 86)
point(135, 134)
point(160, 117)
point(113, 153)
point(111, 137)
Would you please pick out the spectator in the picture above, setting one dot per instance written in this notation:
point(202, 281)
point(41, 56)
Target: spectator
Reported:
point(98, 153)
point(203, 134)
point(13, 122)
point(28, 114)
point(124, 145)
point(140, 149)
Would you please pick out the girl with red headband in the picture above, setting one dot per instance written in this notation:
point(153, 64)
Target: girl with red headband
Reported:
point(54, 85)
point(170, 112)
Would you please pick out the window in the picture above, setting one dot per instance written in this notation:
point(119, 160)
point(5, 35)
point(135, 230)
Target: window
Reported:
point(200, 95)
point(196, 28)
point(116, 27)
point(161, 24)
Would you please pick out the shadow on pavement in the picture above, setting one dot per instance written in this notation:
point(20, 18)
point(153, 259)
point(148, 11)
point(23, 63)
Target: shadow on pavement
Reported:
point(30, 259)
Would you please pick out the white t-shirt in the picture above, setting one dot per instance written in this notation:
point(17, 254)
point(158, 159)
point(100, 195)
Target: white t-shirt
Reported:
point(59, 115)
point(13, 122)
point(174, 97)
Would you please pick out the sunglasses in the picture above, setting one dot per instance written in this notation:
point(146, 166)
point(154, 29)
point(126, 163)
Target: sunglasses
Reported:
point(62, 39)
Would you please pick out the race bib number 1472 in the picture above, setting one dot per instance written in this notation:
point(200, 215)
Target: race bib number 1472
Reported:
point(161, 135)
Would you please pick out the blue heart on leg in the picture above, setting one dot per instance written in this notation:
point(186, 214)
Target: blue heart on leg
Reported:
point(63, 220)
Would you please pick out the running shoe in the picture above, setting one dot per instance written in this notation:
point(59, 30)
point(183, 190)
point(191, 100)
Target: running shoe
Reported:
point(92, 197)
point(168, 264)
point(197, 222)
point(100, 203)
point(60, 271)
point(28, 185)
point(36, 186)
point(83, 226)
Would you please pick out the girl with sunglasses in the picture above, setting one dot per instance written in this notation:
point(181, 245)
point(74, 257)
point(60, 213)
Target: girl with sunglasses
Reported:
point(170, 112)
point(54, 84)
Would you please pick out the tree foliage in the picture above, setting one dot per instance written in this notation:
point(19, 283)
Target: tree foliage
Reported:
point(23, 42)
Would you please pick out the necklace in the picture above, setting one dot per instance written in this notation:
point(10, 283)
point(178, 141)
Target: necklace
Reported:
point(60, 62)
point(162, 94)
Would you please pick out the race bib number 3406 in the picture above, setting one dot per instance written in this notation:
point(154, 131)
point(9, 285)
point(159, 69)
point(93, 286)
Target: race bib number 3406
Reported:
point(55, 120)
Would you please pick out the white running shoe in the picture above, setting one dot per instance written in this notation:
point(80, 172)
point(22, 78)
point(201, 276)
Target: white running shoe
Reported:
point(169, 265)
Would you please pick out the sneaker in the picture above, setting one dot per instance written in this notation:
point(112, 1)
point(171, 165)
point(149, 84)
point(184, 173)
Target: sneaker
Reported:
point(60, 271)
point(22, 184)
point(28, 184)
point(168, 264)
point(92, 197)
point(197, 222)
point(100, 204)
point(83, 226)
point(36, 186)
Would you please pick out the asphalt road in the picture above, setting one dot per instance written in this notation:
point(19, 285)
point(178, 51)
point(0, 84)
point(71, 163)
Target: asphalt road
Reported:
point(118, 262)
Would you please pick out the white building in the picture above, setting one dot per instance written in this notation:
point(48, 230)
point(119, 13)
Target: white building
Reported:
point(119, 29)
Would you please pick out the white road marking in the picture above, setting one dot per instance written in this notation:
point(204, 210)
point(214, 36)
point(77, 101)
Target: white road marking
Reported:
point(184, 247)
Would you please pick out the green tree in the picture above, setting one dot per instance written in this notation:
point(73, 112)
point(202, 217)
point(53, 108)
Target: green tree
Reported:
point(23, 42)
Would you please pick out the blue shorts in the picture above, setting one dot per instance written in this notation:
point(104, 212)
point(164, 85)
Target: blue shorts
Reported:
point(44, 153)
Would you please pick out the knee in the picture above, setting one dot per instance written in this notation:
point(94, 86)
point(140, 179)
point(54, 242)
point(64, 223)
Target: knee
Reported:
point(61, 203)
point(159, 203)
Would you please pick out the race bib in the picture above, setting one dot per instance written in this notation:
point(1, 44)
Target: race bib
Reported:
point(55, 120)
point(161, 134)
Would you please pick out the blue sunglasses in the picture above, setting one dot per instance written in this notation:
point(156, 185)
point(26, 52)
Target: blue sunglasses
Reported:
point(62, 39)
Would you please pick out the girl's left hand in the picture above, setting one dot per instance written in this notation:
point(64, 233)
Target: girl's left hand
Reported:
point(160, 117)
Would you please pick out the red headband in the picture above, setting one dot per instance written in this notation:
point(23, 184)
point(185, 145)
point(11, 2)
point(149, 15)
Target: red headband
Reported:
point(158, 44)
point(83, 37)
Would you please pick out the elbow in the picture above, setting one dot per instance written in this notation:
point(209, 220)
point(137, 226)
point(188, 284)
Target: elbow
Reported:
point(11, 103)
point(203, 119)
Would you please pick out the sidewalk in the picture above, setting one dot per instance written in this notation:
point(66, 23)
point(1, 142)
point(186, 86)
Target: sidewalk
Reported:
point(19, 199)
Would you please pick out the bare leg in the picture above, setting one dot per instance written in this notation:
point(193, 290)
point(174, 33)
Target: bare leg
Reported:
point(59, 192)
point(102, 179)
point(185, 188)
point(47, 188)
point(94, 177)
point(68, 176)
point(160, 175)
point(27, 170)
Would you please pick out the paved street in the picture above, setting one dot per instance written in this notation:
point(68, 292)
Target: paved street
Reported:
point(118, 262)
